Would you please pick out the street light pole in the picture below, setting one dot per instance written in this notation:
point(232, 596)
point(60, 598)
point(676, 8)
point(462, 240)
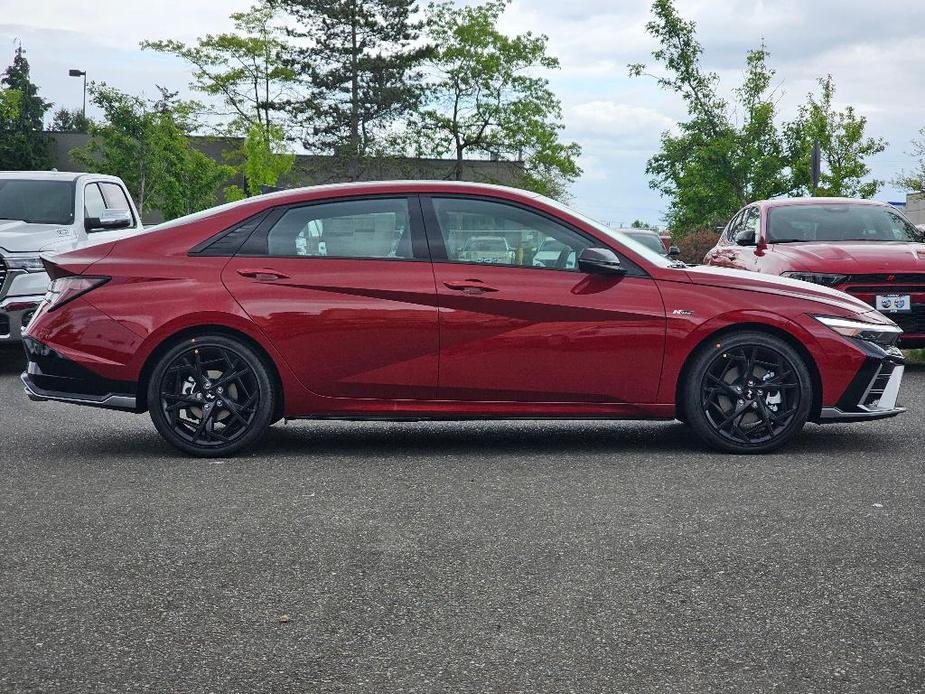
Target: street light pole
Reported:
point(81, 73)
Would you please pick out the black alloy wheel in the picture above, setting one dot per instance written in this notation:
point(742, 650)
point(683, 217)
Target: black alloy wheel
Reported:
point(211, 396)
point(748, 393)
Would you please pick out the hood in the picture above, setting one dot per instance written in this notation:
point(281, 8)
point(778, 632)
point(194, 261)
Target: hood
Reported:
point(772, 284)
point(22, 237)
point(854, 257)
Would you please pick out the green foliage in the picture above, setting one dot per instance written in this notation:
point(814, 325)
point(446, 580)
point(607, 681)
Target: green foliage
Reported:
point(485, 98)
point(69, 121)
point(914, 180)
point(639, 224)
point(23, 145)
point(358, 66)
point(265, 161)
point(695, 244)
point(714, 165)
point(146, 145)
point(725, 156)
point(842, 141)
point(244, 69)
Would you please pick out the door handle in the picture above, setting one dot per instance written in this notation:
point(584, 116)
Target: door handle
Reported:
point(472, 286)
point(262, 274)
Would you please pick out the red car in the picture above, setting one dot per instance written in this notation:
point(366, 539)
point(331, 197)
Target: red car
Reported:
point(865, 248)
point(359, 302)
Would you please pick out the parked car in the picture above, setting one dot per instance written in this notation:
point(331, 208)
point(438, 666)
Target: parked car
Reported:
point(865, 248)
point(553, 253)
point(487, 249)
point(653, 240)
point(50, 211)
point(220, 323)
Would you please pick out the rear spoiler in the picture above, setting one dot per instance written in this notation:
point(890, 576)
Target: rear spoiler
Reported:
point(75, 262)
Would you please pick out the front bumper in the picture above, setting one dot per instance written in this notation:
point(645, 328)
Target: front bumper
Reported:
point(15, 314)
point(51, 376)
point(874, 391)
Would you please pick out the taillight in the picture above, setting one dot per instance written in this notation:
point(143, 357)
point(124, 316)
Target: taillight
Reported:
point(67, 289)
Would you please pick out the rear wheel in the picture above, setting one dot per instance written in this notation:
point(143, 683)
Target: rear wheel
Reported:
point(211, 396)
point(747, 392)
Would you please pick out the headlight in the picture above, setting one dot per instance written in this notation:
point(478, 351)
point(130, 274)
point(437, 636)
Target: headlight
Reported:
point(882, 334)
point(816, 278)
point(29, 263)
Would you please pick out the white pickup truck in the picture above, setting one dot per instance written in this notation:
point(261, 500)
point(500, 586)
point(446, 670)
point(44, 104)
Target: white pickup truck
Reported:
point(51, 212)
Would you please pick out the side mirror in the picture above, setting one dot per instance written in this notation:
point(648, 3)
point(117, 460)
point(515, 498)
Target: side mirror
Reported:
point(745, 237)
point(600, 261)
point(673, 251)
point(109, 219)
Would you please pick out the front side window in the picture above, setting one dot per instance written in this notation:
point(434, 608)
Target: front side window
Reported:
point(839, 222)
point(94, 205)
point(750, 225)
point(379, 228)
point(494, 233)
point(37, 201)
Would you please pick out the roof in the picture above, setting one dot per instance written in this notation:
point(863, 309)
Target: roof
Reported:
point(54, 175)
point(787, 202)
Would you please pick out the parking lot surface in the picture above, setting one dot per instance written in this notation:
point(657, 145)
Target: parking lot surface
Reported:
point(473, 557)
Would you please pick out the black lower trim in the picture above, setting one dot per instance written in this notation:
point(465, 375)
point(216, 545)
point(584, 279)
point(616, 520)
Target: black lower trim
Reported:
point(51, 376)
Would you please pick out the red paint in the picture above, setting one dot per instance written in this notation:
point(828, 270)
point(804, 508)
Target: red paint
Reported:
point(412, 338)
point(849, 258)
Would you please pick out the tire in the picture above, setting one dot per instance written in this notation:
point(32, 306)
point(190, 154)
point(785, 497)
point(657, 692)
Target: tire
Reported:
point(211, 396)
point(747, 392)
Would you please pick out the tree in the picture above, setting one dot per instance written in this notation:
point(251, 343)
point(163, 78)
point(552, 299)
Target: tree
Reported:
point(639, 224)
point(265, 161)
point(485, 98)
point(358, 66)
point(843, 144)
point(69, 121)
point(715, 164)
point(915, 180)
point(25, 145)
point(244, 69)
point(146, 145)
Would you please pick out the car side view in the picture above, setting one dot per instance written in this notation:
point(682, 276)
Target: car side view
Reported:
point(367, 301)
point(862, 247)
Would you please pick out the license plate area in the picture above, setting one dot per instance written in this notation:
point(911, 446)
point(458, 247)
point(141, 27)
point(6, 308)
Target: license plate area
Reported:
point(893, 303)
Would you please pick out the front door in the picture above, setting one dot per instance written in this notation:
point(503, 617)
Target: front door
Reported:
point(345, 291)
point(518, 324)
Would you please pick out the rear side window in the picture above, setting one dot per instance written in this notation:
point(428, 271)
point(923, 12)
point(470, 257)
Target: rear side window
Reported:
point(375, 228)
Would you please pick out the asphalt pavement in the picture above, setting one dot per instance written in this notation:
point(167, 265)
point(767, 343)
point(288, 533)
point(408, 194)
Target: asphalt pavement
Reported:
point(458, 557)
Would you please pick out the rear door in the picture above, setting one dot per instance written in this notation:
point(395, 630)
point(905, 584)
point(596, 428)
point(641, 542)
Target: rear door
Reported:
point(345, 290)
point(517, 330)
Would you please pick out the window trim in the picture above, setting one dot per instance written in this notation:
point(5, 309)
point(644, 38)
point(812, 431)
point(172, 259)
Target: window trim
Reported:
point(257, 244)
point(438, 247)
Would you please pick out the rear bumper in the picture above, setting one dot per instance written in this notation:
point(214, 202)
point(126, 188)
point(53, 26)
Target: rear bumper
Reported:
point(51, 376)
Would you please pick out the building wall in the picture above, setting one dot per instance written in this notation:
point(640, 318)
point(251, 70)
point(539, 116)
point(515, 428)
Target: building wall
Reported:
point(915, 208)
point(316, 170)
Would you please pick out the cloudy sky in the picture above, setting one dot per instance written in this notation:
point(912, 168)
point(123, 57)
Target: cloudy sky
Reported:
point(874, 50)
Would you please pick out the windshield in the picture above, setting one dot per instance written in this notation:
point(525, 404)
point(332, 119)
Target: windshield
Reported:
point(839, 222)
point(37, 202)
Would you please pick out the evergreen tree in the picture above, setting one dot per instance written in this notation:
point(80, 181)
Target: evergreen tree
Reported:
point(24, 146)
point(359, 70)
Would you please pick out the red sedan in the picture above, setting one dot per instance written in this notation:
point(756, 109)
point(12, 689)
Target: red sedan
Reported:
point(862, 247)
point(373, 301)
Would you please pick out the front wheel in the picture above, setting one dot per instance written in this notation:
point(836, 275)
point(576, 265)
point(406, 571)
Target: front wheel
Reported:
point(211, 396)
point(747, 392)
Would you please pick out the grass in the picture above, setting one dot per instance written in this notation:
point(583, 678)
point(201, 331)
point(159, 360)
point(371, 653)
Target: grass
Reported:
point(915, 356)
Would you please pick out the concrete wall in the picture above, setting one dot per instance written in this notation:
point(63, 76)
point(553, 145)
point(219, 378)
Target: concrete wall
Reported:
point(915, 208)
point(316, 170)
